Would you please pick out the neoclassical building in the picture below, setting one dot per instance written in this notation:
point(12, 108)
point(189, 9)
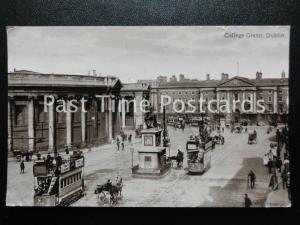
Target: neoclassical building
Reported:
point(32, 128)
point(274, 92)
point(134, 116)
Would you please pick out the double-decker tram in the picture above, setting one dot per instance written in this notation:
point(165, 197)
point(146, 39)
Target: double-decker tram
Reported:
point(58, 181)
point(198, 156)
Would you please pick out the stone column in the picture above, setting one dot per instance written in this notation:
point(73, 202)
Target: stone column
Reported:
point(138, 115)
point(110, 130)
point(203, 103)
point(31, 141)
point(9, 126)
point(68, 125)
point(118, 115)
point(275, 101)
point(218, 100)
point(123, 114)
point(95, 120)
point(254, 102)
point(83, 124)
point(51, 127)
point(156, 107)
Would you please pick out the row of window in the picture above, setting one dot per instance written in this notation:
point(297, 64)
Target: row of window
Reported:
point(178, 92)
point(70, 180)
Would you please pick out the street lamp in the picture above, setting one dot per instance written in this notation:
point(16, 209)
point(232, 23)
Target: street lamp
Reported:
point(132, 150)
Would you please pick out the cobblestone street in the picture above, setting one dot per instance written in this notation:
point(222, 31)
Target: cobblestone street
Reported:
point(224, 184)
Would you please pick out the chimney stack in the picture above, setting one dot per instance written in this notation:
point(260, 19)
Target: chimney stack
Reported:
point(224, 76)
point(207, 77)
point(94, 73)
point(258, 75)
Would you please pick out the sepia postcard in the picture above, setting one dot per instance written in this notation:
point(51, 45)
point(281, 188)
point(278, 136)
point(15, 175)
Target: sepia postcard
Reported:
point(148, 116)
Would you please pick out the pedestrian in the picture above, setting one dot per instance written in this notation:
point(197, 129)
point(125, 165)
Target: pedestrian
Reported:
point(67, 150)
point(118, 143)
point(129, 138)
point(22, 166)
point(270, 155)
point(279, 164)
point(248, 201)
point(255, 132)
point(274, 182)
point(288, 185)
point(270, 166)
point(122, 145)
point(284, 180)
point(252, 177)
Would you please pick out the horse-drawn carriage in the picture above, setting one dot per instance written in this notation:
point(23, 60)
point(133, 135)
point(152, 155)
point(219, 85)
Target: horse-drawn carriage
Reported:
point(252, 138)
point(20, 154)
point(219, 139)
point(178, 159)
point(113, 190)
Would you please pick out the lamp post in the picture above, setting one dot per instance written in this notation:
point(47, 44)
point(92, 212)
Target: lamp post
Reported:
point(132, 150)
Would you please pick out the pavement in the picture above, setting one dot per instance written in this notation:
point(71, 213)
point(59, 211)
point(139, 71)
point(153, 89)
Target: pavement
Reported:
point(223, 185)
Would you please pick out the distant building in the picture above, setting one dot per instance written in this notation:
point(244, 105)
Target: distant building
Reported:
point(162, 79)
point(173, 78)
point(274, 92)
point(181, 77)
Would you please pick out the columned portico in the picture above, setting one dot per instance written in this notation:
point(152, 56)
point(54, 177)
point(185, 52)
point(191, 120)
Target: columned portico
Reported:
point(134, 94)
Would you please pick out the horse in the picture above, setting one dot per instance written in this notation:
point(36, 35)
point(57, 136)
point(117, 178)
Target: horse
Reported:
point(178, 159)
point(219, 139)
point(115, 191)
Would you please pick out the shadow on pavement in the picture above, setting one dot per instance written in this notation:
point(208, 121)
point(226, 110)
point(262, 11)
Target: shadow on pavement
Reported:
point(232, 194)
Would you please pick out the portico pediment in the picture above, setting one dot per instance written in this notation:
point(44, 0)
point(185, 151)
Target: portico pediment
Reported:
point(237, 82)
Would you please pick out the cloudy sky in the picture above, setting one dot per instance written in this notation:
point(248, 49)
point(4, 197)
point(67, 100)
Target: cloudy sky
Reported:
point(132, 53)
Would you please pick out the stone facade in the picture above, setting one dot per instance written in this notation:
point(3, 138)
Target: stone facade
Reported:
point(273, 91)
point(35, 128)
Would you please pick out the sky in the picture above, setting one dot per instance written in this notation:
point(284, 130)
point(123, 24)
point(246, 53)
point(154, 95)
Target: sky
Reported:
point(133, 53)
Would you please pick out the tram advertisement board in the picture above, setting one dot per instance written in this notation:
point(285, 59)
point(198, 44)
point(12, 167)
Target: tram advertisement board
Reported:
point(79, 162)
point(65, 167)
point(208, 145)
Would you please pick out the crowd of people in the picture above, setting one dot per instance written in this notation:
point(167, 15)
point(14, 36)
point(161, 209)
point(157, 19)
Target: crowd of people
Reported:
point(276, 167)
point(121, 140)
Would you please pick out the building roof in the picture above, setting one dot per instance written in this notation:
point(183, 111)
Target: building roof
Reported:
point(189, 84)
point(271, 81)
point(135, 87)
point(30, 78)
point(217, 83)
